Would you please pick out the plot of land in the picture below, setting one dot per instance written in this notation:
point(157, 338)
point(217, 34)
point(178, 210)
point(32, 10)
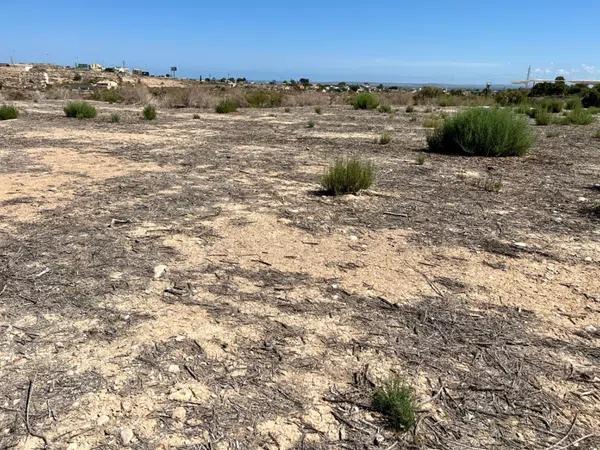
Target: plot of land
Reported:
point(181, 283)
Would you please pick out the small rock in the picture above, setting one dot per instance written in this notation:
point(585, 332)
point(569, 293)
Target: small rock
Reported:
point(591, 329)
point(353, 238)
point(103, 420)
point(179, 414)
point(126, 435)
point(582, 199)
point(159, 271)
point(181, 395)
point(378, 440)
point(173, 368)
point(520, 245)
point(588, 259)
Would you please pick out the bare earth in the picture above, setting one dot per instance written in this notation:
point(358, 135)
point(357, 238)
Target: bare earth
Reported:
point(182, 284)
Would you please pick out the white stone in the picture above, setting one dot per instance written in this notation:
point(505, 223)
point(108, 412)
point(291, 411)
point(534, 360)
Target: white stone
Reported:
point(126, 435)
point(159, 271)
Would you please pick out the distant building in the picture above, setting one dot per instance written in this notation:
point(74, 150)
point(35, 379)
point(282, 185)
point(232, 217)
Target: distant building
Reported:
point(96, 67)
point(141, 73)
point(83, 67)
point(107, 84)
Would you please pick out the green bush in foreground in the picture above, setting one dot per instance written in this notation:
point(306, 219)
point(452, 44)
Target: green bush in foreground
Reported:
point(226, 106)
point(580, 116)
point(365, 100)
point(8, 112)
point(149, 112)
point(483, 132)
point(395, 401)
point(80, 110)
point(542, 117)
point(348, 177)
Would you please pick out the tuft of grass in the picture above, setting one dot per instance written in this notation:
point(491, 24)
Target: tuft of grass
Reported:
point(365, 100)
point(149, 112)
point(420, 160)
point(573, 103)
point(384, 109)
point(412, 119)
point(580, 116)
point(196, 117)
point(410, 109)
point(80, 110)
point(264, 99)
point(395, 400)
point(542, 117)
point(385, 138)
point(483, 132)
point(287, 109)
point(115, 118)
point(523, 108)
point(226, 106)
point(318, 110)
point(348, 177)
point(552, 134)
point(553, 105)
point(310, 124)
point(8, 112)
point(432, 122)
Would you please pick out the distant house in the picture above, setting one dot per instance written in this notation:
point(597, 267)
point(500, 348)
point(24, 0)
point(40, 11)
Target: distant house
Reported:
point(141, 73)
point(83, 67)
point(96, 67)
point(107, 84)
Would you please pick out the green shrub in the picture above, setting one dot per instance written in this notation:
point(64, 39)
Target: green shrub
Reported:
point(365, 100)
point(385, 138)
point(542, 117)
point(573, 103)
point(318, 110)
point(594, 110)
point(387, 109)
point(226, 106)
point(196, 116)
point(310, 124)
point(524, 108)
point(553, 105)
point(149, 112)
point(420, 160)
point(396, 401)
point(80, 110)
point(591, 98)
point(432, 122)
point(8, 112)
point(580, 116)
point(115, 118)
point(511, 97)
point(348, 177)
point(596, 135)
point(483, 132)
point(264, 99)
point(108, 95)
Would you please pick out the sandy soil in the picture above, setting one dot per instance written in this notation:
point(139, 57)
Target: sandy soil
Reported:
point(182, 284)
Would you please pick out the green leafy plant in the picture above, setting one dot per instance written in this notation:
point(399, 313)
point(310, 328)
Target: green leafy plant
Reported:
point(395, 400)
point(365, 100)
point(580, 116)
point(226, 106)
point(80, 110)
point(8, 112)
point(115, 118)
point(149, 112)
point(348, 177)
point(483, 132)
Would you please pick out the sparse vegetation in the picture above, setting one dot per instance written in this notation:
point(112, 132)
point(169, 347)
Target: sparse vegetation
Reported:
point(149, 112)
point(385, 138)
point(310, 124)
point(596, 135)
point(115, 118)
point(420, 159)
point(8, 112)
point(410, 109)
point(226, 106)
point(365, 100)
point(287, 109)
point(395, 400)
point(348, 177)
point(579, 116)
point(542, 117)
point(384, 108)
point(573, 103)
point(80, 110)
point(432, 122)
point(108, 95)
point(196, 117)
point(264, 99)
point(483, 132)
point(318, 110)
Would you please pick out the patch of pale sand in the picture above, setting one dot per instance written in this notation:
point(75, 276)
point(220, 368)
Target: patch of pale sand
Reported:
point(384, 263)
point(146, 136)
point(285, 432)
point(343, 135)
point(64, 171)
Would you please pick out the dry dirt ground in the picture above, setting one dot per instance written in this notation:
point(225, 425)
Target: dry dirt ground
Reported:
point(182, 284)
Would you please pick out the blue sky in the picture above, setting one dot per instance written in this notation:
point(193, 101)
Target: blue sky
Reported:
point(448, 41)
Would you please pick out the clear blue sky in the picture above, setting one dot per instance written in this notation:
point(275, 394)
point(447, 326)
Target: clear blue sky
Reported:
point(450, 41)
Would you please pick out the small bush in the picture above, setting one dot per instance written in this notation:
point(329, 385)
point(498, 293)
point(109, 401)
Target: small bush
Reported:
point(483, 132)
point(310, 124)
point(108, 95)
point(196, 116)
point(115, 118)
point(420, 160)
point(348, 177)
point(149, 112)
point(384, 109)
point(8, 112)
point(553, 105)
point(591, 98)
point(410, 109)
point(523, 108)
point(384, 139)
point(573, 103)
point(264, 99)
point(580, 116)
point(226, 106)
point(80, 110)
point(287, 109)
point(542, 117)
point(395, 400)
point(432, 122)
point(318, 110)
point(365, 100)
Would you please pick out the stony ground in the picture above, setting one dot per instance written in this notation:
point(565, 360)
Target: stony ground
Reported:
point(183, 284)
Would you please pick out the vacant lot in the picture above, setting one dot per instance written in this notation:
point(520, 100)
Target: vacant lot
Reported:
point(181, 283)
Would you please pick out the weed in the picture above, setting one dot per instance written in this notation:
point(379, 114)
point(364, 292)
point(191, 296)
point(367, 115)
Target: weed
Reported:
point(264, 99)
point(596, 135)
point(410, 109)
point(385, 138)
point(226, 106)
point(432, 122)
point(580, 116)
point(365, 100)
point(542, 117)
point(108, 95)
point(115, 118)
point(396, 401)
point(287, 110)
point(387, 109)
point(196, 117)
point(552, 134)
point(348, 177)
point(573, 103)
point(420, 160)
point(318, 110)
point(483, 132)
point(149, 112)
point(80, 110)
point(310, 124)
point(8, 112)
